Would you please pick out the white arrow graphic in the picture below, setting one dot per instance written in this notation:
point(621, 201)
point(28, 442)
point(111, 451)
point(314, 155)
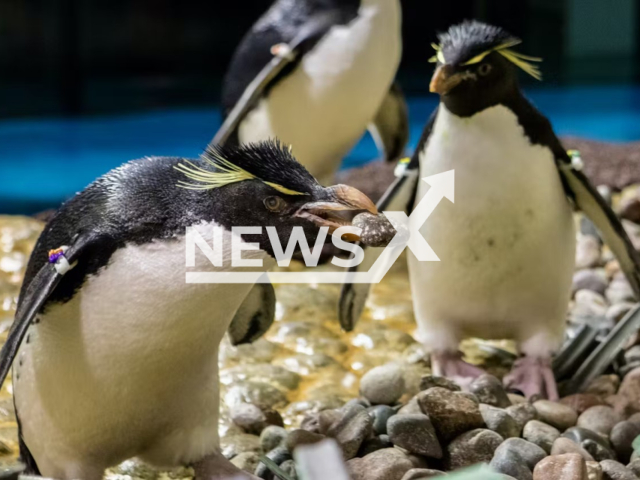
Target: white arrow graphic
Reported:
point(408, 228)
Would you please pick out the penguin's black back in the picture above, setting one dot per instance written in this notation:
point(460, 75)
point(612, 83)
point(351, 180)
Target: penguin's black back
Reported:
point(280, 24)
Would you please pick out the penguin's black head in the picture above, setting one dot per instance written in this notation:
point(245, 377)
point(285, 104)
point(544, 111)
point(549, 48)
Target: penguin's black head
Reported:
point(476, 67)
point(262, 185)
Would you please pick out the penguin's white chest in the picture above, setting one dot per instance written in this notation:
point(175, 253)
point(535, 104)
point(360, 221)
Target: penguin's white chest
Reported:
point(129, 366)
point(325, 105)
point(507, 244)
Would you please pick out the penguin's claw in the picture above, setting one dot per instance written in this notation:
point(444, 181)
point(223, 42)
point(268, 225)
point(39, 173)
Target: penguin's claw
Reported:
point(452, 366)
point(534, 378)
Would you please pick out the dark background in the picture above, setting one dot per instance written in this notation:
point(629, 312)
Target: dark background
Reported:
point(71, 57)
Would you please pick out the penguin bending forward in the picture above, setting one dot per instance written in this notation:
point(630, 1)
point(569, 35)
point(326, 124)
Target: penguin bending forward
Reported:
point(315, 74)
point(506, 246)
point(116, 356)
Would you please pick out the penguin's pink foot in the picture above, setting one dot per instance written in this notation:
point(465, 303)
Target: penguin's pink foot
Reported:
point(451, 365)
point(533, 377)
point(216, 467)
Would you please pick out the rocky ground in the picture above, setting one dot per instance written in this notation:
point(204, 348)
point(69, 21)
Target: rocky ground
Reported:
point(371, 390)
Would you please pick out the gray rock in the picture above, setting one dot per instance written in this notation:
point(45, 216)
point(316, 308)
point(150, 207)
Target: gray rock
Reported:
point(476, 446)
point(563, 445)
point(387, 464)
point(617, 311)
point(597, 451)
point(612, 470)
point(579, 435)
point(422, 473)
point(414, 433)
point(604, 385)
point(556, 414)
point(430, 381)
point(587, 252)
point(412, 406)
point(451, 413)
point(351, 430)
point(517, 457)
point(237, 444)
point(298, 437)
point(321, 422)
point(594, 471)
point(383, 385)
point(601, 419)
point(541, 434)
point(622, 436)
point(489, 390)
point(619, 291)
point(289, 467)
point(278, 455)
point(246, 461)
point(381, 414)
point(374, 444)
point(634, 467)
point(500, 421)
point(248, 417)
point(569, 466)
point(272, 437)
point(522, 413)
point(589, 279)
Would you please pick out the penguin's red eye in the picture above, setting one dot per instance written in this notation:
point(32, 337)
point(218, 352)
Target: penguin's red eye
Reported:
point(484, 69)
point(274, 204)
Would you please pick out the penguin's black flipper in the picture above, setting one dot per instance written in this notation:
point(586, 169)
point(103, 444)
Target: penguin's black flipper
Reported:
point(255, 316)
point(390, 128)
point(400, 196)
point(283, 53)
point(35, 296)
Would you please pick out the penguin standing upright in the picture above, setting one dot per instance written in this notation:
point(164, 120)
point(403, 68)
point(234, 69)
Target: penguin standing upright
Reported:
point(315, 74)
point(116, 356)
point(506, 246)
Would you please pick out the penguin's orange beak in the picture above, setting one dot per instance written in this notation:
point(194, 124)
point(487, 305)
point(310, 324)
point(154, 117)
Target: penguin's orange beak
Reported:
point(444, 80)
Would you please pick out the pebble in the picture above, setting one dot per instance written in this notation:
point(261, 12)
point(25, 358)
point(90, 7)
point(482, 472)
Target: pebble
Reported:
point(351, 430)
point(476, 446)
point(612, 470)
point(271, 437)
point(248, 417)
point(320, 422)
point(430, 381)
point(500, 421)
point(381, 414)
point(617, 311)
point(298, 437)
point(604, 385)
point(489, 390)
point(597, 451)
point(234, 445)
point(594, 471)
point(556, 414)
point(412, 406)
point(587, 252)
point(589, 279)
point(374, 444)
point(581, 402)
point(589, 307)
point(386, 464)
point(383, 385)
point(522, 413)
point(622, 436)
point(541, 434)
point(619, 291)
point(289, 468)
point(569, 466)
point(634, 467)
point(278, 455)
point(628, 397)
point(517, 457)
point(516, 399)
point(563, 445)
point(246, 461)
point(422, 473)
point(600, 419)
point(450, 412)
point(414, 433)
point(629, 207)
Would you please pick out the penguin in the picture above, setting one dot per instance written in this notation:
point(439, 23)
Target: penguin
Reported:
point(506, 246)
point(316, 74)
point(114, 355)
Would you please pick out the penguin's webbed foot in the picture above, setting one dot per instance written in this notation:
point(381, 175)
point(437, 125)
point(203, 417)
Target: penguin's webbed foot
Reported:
point(533, 377)
point(451, 365)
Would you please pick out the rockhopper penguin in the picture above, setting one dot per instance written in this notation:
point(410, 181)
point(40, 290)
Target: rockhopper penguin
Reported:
point(506, 246)
point(315, 74)
point(116, 356)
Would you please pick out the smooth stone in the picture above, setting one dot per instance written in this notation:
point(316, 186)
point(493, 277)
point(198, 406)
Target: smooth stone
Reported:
point(597, 451)
point(386, 464)
point(569, 466)
point(351, 430)
point(236, 444)
point(489, 390)
point(589, 279)
point(594, 471)
point(622, 437)
point(246, 461)
point(516, 399)
point(587, 252)
point(422, 473)
point(517, 457)
point(476, 446)
point(381, 415)
point(617, 311)
point(272, 437)
point(278, 455)
point(604, 385)
point(634, 467)
point(541, 434)
point(500, 421)
point(451, 413)
point(383, 385)
point(563, 445)
point(619, 291)
point(612, 470)
point(556, 414)
point(248, 417)
point(580, 402)
point(374, 444)
point(289, 468)
point(579, 435)
point(320, 422)
point(430, 381)
point(601, 419)
point(629, 393)
point(629, 207)
point(414, 433)
point(522, 413)
point(298, 437)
